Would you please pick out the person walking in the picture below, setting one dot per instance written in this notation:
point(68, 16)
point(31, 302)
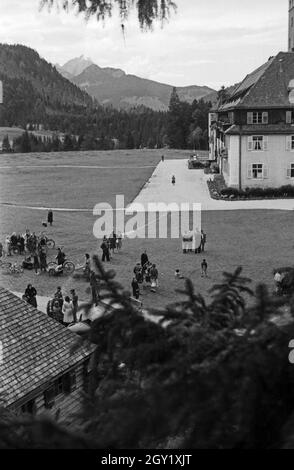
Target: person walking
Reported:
point(50, 217)
point(87, 267)
point(43, 259)
point(105, 250)
point(135, 288)
point(95, 288)
point(119, 241)
point(138, 272)
point(67, 310)
point(204, 267)
point(112, 240)
point(75, 304)
point(203, 241)
point(144, 259)
point(36, 263)
point(154, 277)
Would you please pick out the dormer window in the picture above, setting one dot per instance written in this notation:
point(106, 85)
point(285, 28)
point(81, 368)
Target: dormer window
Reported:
point(257, 117)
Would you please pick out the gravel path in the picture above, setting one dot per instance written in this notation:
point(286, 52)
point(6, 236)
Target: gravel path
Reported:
point(191, 187)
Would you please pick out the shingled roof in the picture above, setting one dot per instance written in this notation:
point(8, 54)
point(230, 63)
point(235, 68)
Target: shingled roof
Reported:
point(266, 87)
point(35, 349)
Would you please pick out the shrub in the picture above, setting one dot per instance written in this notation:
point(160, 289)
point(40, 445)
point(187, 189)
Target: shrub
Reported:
point(256, 192)
point(230, 192)
point(215, 168)
point(287, 191)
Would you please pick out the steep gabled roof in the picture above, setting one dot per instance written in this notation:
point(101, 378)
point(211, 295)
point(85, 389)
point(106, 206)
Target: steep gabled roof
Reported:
point(35, 349)
point(251, 79)
point(266, 87)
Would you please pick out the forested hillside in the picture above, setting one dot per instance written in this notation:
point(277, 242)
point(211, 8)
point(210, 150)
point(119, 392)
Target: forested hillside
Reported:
point(36, 93)
point(34, 90)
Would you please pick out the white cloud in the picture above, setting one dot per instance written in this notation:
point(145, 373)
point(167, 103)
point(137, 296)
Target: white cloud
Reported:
point(215, 42)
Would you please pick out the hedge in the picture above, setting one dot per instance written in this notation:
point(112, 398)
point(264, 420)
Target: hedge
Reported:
point(252, 193)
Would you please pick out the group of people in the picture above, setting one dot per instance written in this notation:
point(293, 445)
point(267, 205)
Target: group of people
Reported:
point(26, 243)
point(37, 261)
point(63, 308)
point(144, 271)
point(110, 244)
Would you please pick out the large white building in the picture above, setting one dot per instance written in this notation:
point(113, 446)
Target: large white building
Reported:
point(252, 128)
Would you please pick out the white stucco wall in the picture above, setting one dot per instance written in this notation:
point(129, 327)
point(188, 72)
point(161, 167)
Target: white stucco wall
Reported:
point(276, 158)
point(232, 177)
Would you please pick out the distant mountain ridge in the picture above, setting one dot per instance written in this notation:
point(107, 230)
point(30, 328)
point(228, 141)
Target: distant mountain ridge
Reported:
point(34, 91)
point(111, 86)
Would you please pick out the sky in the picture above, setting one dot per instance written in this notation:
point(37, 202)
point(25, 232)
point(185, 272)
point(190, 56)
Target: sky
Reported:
point(207, 42)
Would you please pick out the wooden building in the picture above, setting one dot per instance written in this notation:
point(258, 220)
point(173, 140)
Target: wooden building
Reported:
point(41, 367)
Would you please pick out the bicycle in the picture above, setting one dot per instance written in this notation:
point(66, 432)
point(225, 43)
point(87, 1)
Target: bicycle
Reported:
point(67, 268)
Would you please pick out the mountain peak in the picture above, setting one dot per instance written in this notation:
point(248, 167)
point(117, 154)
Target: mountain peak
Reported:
point(77, 65)
point(109, 85)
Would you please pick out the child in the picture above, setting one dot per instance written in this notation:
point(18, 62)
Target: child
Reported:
point(135, 288)
point(178, 274)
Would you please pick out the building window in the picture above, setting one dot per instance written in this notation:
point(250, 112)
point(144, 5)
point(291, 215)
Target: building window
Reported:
point(63, 385)
point(257, 142)
point(59, 386)
point(29, 407)
point(257, 117)
point(290, 171)
point(290, 142)
point(257, 171)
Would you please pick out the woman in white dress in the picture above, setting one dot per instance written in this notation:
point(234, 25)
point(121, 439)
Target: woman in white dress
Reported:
point(7, 246)
point(67, 310)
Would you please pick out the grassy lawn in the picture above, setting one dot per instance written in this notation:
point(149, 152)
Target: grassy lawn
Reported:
point(257, 240)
